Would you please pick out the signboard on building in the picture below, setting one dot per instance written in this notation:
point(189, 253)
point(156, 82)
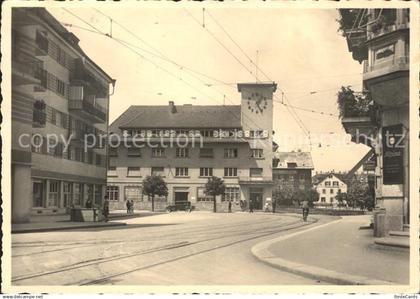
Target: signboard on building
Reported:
point(393, 151)
point(370, 164)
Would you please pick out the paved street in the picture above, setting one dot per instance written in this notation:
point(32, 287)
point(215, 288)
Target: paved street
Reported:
point(177, 248)
point(343, 248)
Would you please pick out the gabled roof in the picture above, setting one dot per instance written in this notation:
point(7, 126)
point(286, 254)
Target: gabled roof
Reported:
point(302, 160)
point(184, 116)
point(320, 177)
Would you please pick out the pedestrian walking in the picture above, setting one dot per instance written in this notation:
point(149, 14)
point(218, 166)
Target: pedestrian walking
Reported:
point(305, 209)
point(132, 207)
point(251, 206)
point(88, 204)
point(230, 206)
point(105, 208)
point(128, 205)
point(274, 206)
point(267, 207)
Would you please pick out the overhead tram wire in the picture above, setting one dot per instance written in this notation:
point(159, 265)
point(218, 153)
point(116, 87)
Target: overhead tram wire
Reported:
point(243, 52)
point(157, 66)
point(161, 55)
point(164, 57)
point(291, 111)
point(220, 43)
point(297, 119)
point(202, 74)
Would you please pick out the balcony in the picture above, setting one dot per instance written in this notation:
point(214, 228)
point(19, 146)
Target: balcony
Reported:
point(260, 180)
point(85, 76)
point(29, 72)
point(386, 67)
point(359, 119)
point(388, 21)
point(86, 106)
point(29, 46)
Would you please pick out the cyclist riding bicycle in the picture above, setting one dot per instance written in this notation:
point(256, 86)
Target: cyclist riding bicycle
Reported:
point(305, 209)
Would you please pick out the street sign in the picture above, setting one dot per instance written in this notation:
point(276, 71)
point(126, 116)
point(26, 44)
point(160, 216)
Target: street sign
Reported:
point(393, 151)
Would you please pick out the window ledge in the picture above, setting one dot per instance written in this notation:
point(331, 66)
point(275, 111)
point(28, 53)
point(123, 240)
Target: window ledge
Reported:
point(182, 177)
point(133, 176)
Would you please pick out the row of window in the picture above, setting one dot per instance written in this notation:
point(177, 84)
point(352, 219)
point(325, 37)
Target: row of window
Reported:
point(334, 183)
point(136, 193)
point(184, 171)
point(73, 153)
point(216, 133)
point(290, 177)
point(62, 194)
point(185, 152)
point(324, 191)
point(65, 121)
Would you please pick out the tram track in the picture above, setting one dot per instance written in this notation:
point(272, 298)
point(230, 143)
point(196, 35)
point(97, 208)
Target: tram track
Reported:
point(250, 234)
point(168, 236)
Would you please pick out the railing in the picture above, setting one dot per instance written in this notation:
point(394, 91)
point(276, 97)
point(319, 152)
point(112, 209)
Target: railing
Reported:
point(92, 109)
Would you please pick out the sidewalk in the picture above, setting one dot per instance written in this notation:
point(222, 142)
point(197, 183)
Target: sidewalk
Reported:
point(62, 222)
point(337, 252)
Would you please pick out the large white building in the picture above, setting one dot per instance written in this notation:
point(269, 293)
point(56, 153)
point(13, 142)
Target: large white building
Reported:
point(329, 185)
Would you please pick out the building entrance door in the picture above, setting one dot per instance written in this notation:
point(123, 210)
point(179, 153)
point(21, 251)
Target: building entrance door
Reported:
point(255, 198)
point(181, 197)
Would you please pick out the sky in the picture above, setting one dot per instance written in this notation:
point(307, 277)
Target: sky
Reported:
point(300, 49)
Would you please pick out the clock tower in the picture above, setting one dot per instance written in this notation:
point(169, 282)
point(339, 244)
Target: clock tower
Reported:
point(257, 124)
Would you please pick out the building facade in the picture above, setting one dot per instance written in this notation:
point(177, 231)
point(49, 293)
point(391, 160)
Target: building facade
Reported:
point(329, 185)
point(59, 95)
point(292, 171)
point(381, 43)
point(188, 144)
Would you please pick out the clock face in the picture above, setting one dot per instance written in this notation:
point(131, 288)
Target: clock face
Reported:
point(257, 103)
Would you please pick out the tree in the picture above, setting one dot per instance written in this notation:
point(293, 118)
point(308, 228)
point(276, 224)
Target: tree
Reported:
point(214, 186)
point(342, 199)
point(284, 195)
point(359, 195)
point(154, 185)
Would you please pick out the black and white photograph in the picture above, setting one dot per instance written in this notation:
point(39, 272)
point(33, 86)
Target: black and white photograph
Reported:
point(210, 147)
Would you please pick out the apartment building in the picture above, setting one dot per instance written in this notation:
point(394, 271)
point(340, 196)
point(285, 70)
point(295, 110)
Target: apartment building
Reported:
point(59, 95)
point(292, 171)
point(381, 42)
point(187, 144)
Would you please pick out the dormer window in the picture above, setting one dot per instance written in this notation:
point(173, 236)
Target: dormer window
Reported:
point(291, 165)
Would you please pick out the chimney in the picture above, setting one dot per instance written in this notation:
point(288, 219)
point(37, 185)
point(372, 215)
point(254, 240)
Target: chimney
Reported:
point(172, 107)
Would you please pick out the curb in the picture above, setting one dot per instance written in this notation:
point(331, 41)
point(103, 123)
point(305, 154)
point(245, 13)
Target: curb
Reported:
point(48, 229)
point(261, 252)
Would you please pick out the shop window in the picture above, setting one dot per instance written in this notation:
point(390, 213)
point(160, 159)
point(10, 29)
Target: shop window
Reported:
point(133, 193)
point(113, 193)
point(201, 196)
point(77, 194)
point(231, 194)
point(53, 193)
point(67, 194)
